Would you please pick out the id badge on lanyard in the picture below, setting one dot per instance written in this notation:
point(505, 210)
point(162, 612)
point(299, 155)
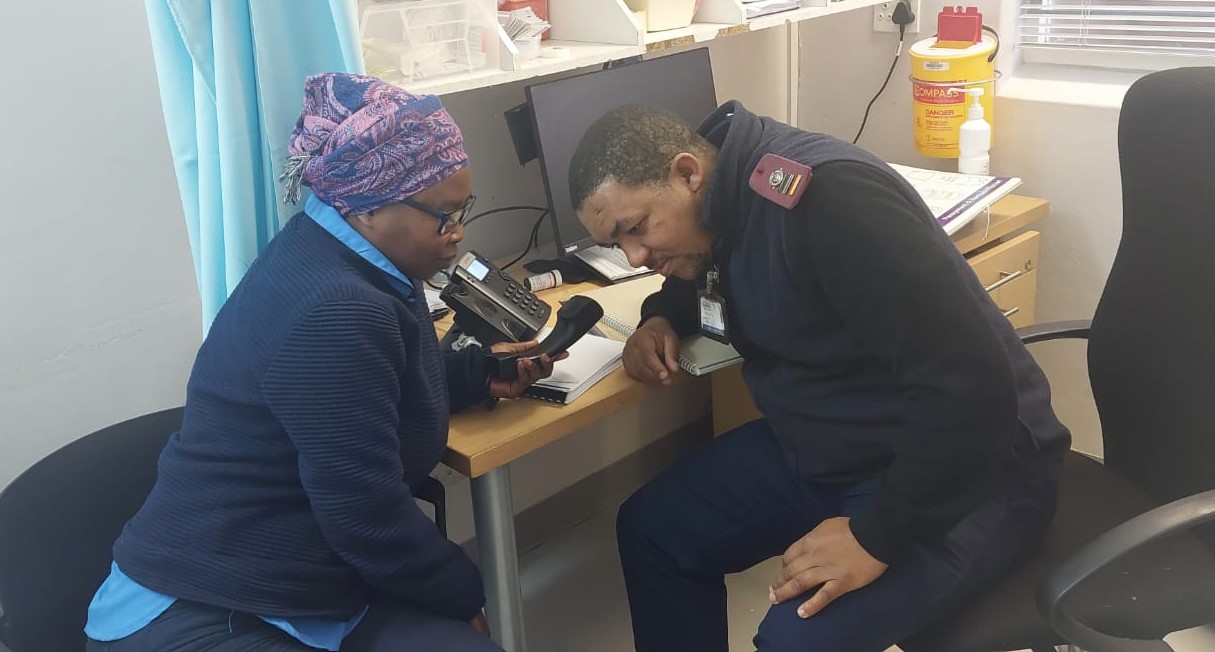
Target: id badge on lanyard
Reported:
point(713, 323)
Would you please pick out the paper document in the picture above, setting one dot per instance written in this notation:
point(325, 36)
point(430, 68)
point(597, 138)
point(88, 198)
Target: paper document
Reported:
point(955, 199)
point(611, 263)
point(757, 8)
point(522, 23)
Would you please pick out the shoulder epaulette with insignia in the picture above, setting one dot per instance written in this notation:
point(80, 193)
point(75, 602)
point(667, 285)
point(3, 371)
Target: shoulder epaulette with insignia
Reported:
point(780, 180)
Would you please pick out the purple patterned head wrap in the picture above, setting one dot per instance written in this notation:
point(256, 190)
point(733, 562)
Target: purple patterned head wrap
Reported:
point(361, 144)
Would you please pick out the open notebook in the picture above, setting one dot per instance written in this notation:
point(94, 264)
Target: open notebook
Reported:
point(591, 358)
point(698, 355)
point(956, 199)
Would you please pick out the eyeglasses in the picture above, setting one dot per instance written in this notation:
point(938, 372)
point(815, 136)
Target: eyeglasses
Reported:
point(448, 221)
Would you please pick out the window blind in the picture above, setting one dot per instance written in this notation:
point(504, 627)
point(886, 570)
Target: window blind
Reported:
point(1155, 26)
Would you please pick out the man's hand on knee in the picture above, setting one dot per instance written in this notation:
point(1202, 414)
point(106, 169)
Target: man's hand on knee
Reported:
point(828, 559)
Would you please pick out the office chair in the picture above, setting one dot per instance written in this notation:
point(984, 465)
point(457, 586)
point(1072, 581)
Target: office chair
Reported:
point(1151, 360)
point(59, 520)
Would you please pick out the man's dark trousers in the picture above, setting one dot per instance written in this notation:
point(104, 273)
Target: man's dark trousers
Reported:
point(737, 502)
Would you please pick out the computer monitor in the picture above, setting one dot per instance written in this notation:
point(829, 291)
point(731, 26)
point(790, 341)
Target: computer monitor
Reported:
point(563, 110)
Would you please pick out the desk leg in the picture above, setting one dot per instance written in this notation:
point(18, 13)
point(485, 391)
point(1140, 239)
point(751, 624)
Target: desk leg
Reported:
point(494, 518)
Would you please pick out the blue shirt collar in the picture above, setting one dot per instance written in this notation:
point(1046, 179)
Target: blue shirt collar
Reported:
point(332, 221)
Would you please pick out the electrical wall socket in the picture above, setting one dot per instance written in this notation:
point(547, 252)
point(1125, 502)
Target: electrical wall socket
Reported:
point(883, 11)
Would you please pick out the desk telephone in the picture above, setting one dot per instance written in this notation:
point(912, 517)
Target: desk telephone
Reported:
point(492, 307)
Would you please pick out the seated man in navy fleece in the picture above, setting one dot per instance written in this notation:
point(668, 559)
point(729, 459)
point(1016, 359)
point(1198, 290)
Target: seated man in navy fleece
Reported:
point(907, 455)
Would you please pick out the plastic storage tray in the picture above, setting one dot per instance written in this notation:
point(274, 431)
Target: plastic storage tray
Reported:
point(425, 39)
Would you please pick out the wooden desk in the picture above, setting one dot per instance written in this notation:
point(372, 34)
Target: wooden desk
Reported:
point(1006, 216)
point(481, 441)
point(481, 444)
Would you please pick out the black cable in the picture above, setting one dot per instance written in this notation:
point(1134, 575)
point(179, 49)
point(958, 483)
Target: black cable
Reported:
point(504, 209)
point(897, 53)
point(531, 240)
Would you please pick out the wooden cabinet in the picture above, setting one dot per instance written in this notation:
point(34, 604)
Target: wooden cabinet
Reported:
point(1002, 255)
point(1009, 271)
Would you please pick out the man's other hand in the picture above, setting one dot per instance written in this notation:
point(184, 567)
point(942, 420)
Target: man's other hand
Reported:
point(826, 563)
point(651, 353)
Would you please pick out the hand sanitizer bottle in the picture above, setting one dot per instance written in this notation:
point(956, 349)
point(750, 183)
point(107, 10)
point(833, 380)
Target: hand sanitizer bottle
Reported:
point(974, 138)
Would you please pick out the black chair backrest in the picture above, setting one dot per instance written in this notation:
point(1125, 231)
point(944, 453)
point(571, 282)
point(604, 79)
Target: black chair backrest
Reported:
point(1152, 347)
point(58, 522)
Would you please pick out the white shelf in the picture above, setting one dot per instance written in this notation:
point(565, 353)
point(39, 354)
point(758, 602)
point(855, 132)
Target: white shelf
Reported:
point(694, 33)
point(792, 16)
point(605, 31)
point(580, 55)
point(699, 32)
point(848, 5)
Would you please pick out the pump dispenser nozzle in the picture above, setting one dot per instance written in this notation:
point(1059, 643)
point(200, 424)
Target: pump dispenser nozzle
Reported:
point(975, 110)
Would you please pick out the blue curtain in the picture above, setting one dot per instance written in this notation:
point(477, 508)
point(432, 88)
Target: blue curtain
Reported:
point(231, 83)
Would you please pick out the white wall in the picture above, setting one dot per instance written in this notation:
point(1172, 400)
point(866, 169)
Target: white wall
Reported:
point(1068, 154)
point(843, 64)
point(101, 315)
point(100, 311)
point(1063, 146)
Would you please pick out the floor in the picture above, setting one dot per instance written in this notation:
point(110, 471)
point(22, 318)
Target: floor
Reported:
point(575, 600)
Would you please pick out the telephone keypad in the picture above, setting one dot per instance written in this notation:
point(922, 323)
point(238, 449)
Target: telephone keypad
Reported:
point(522, 298)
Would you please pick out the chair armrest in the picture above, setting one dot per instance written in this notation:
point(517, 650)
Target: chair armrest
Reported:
point(1139, 531)
point(1055, 330)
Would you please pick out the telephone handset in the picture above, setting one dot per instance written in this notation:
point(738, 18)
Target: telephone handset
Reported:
point(490, 305)
point(577, 316)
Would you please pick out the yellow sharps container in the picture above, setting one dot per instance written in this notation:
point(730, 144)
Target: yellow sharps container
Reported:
point(940, 73)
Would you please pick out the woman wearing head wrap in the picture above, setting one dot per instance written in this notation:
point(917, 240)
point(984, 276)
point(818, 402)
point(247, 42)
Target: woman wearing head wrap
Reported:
point(282, 517)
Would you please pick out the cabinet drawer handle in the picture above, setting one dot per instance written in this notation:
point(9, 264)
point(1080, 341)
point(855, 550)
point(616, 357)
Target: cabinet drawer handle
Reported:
point(1005, 277)
point(1012, 311)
